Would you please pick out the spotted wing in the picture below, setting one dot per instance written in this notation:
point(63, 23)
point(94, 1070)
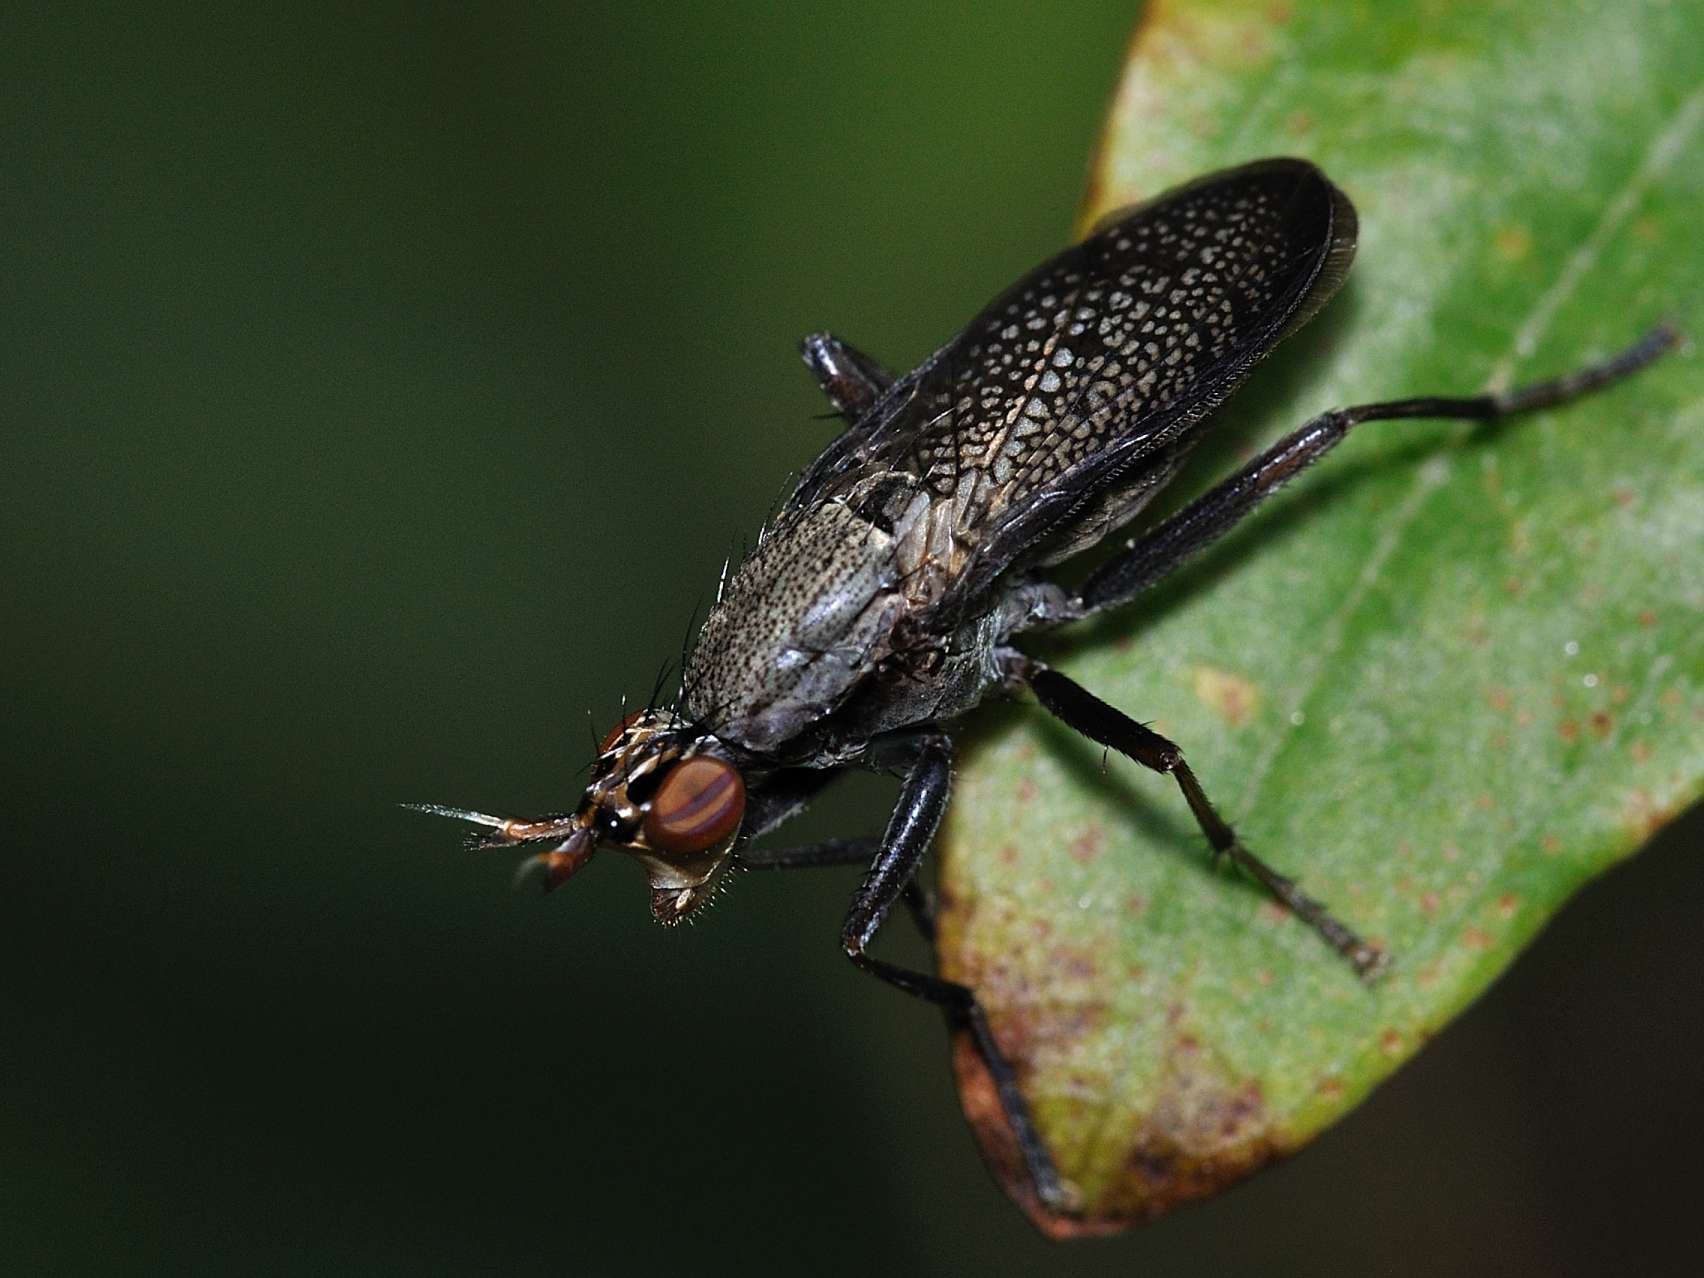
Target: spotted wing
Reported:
point(1082, 385)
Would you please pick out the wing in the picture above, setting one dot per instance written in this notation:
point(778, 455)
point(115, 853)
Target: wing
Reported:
point(1082, 385)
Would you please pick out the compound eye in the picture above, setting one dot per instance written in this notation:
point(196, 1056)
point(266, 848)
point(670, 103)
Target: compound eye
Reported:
point(615, 733)
point(698, 805)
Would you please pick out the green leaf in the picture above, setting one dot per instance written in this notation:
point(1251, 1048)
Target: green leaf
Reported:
point(1448, 676)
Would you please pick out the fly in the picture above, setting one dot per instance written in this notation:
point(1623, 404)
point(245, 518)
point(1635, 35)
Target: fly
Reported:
point(885, 599)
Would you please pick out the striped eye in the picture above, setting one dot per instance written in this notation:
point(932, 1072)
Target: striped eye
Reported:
point(698, 805)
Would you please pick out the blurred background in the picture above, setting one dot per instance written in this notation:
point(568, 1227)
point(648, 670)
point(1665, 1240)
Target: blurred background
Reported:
point(382, 387)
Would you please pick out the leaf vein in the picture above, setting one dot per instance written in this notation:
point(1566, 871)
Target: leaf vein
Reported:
point(1661, 153)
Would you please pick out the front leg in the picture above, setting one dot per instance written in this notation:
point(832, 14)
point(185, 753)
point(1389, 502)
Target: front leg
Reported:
point(916, 817)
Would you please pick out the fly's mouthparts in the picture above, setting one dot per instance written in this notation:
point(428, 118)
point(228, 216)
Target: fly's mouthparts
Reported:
point(562, 862)
point(506, 831)
point(458, 814)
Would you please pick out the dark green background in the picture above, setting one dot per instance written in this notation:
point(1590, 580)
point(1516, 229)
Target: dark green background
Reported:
point(382, 387)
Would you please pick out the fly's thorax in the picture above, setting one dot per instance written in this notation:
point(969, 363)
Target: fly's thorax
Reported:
point(807, 614)
point(937, 677)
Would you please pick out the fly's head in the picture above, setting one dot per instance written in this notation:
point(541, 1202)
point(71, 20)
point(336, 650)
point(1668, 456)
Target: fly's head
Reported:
point(660, 792)
point(672, 801)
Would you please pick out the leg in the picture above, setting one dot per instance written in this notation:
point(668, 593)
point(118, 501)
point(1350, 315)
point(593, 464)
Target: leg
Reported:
point(910, 831)
point(811, 855)
point(1111, 727)
point(851, 379)
point(1161, 549)
point(782, 796)
point(841, 852)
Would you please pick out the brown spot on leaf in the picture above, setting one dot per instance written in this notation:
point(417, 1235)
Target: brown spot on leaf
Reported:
point(1643, 815)
point(1498, 698)
point(1568, 730)
point(1476, 938)
point(1086, 848)
point(1331, 1086)
point(1231, 695)
point(1512, 243)
point(1203, 1132)
point(1135, 905)
point(1390, 1042)
point(980, 1101)
point(1429, 902)
point(1507, 904)
point(1026, 790)
point(1075, 962)
point(1640, 751)
point(1601, 723)
point(1551, 844)
point(1647, 618)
